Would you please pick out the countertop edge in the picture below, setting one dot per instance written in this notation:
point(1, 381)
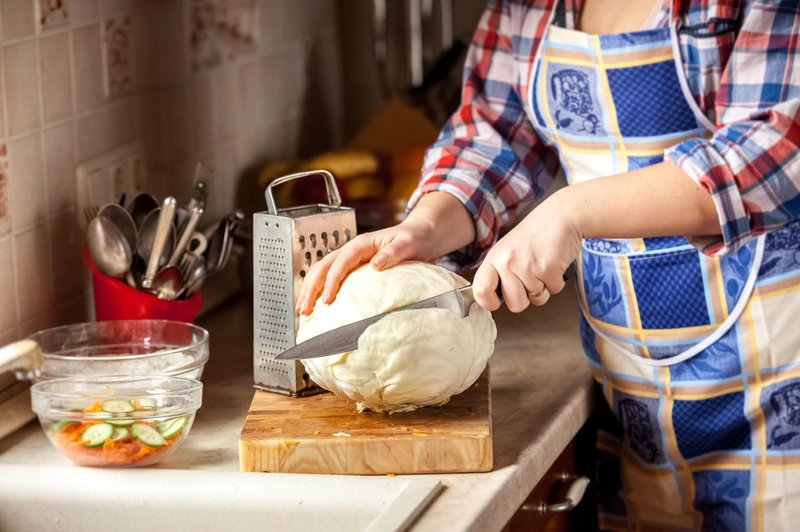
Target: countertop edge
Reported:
point(515, 481)
point(537, 459)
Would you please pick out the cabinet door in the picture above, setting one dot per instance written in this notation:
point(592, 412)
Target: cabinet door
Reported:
point(551, 489)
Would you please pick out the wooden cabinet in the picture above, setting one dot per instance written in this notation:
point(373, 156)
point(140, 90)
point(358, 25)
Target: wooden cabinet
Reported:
point(575, 461)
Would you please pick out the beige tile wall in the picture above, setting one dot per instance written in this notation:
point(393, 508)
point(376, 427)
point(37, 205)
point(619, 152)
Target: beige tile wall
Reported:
point(274, 90)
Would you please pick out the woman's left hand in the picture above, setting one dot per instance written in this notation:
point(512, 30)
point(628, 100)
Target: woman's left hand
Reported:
point(531, 259)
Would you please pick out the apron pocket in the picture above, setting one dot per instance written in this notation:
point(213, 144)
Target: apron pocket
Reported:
point(674, 301)
point(629, 294)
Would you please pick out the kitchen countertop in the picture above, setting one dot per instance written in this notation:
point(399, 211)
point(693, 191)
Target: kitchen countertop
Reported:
point(541, 396)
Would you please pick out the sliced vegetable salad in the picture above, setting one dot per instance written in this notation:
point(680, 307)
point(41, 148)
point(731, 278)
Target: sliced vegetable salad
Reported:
point(119, 439)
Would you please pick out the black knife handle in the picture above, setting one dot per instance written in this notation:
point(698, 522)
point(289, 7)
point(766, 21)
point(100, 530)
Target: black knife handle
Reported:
point(572, 269)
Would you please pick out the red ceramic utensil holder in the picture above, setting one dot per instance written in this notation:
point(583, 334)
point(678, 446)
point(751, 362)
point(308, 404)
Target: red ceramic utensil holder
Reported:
point(116, 300)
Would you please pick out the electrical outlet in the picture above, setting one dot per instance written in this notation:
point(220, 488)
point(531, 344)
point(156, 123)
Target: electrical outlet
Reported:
point(103, 179)
point(120, 177)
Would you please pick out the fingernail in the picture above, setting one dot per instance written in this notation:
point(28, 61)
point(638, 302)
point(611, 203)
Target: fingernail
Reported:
point(326, 297)
point(379, 260)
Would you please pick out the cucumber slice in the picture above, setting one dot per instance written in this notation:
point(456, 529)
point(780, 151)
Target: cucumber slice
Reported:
point(173, 427)
point(120, 422)
point(145, 403)
point(147, 435)
point(120, 433)
point(96, 435)
point(117, 406)
point(58, 426)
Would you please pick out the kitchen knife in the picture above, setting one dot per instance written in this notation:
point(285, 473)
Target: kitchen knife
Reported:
point(345, 338)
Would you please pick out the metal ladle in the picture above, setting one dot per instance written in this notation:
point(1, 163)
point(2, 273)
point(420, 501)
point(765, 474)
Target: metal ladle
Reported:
point(216, 247)
point(123, 220)
point(142, 205)
point(220, 243)
point(233, 222)
point(108, 247)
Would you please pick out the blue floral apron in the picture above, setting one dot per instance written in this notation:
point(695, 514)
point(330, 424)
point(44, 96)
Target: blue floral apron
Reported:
point(698, 357)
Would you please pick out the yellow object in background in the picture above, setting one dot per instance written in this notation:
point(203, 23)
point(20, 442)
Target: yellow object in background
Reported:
point(405, 170)
point(403, 186)
point(345, 164)
point(364, 187)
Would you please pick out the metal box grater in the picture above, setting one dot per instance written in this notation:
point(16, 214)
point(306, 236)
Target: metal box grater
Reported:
point(286, 242)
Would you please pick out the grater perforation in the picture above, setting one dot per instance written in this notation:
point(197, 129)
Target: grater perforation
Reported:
point(287, 242)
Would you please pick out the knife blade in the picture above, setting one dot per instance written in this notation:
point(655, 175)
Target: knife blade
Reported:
point(345, 338)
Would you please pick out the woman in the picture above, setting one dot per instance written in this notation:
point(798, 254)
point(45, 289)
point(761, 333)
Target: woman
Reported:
point(668, 119)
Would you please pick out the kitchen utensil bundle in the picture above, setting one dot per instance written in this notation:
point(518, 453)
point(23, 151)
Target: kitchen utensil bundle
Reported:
point(155, 247)
point(286, 242)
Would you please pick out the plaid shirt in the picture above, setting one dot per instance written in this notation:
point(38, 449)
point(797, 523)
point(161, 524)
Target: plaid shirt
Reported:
point(741, 60)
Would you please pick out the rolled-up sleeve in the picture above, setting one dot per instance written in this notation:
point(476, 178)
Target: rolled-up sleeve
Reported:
point(751, 165)
point(488, 155)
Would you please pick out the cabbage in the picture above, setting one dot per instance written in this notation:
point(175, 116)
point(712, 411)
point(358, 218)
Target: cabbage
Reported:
point(408, 359)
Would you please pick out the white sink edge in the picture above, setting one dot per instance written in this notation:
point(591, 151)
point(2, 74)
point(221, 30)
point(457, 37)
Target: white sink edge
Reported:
point(59, 498)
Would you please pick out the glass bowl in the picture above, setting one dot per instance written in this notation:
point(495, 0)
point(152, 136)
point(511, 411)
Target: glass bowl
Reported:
point(117, 421)
point(123, 347)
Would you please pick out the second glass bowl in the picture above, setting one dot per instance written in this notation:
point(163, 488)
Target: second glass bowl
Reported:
point(124, 347)
point(117, 421)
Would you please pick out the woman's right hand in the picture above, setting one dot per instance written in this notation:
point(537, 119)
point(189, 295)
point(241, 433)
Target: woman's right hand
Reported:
point(437, 225)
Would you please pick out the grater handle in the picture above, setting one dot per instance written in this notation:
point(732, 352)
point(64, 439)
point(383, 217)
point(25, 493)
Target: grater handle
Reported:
point(334, 199)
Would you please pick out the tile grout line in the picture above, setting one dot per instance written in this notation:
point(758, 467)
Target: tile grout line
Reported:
point(46, 187)
point(72, 175)
point(9, 214)
point(45, 32)
point(74, 116)
point(11, 240)
point(9, 236)
point(3, 103)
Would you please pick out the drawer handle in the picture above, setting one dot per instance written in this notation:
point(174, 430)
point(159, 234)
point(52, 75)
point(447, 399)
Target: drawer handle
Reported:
point(572, 499)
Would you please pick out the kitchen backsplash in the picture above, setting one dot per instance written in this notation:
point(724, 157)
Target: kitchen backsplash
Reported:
point(231, 83)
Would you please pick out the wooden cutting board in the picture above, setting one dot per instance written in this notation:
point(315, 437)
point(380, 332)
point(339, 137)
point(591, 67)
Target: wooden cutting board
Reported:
point(325, 434)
